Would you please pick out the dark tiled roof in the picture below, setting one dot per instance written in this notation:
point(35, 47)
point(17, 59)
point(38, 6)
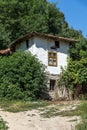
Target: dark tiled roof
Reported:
point(47, 36)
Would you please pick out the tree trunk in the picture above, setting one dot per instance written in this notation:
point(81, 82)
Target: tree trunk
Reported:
point(77, 90)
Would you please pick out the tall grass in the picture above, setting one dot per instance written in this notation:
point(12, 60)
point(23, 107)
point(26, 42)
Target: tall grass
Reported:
point(83, 124)
point(3, 125)
point(21, 105)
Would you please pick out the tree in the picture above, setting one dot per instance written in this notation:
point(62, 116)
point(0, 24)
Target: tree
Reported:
point(78, 50)
point(74, 76)
point(22, 76)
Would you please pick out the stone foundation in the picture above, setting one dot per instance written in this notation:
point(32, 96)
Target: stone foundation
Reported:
point(59, 93)
point(51, 92)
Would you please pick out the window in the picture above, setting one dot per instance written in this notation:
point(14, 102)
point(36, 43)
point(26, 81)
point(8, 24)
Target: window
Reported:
point(52, 84)
point(57, 44)
point(52, 58)
point(27, 43)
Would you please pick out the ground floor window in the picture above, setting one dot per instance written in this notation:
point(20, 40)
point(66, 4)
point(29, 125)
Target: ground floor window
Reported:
point(52, 84)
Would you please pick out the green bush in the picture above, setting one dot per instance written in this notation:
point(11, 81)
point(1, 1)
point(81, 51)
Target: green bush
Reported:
point(22, 76)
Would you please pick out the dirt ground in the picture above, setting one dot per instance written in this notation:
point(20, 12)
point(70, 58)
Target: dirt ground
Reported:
point(32, 120)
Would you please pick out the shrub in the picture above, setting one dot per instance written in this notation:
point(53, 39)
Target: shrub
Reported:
point(22, 76)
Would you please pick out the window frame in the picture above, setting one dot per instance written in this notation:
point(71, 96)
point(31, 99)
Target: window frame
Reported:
point(52, 57)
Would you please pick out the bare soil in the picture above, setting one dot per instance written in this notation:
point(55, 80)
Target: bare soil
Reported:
point(32, 120)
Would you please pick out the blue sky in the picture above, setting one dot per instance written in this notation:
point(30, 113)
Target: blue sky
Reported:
point(75, 12)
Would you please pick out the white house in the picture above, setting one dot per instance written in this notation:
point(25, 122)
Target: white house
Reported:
point(51, 51)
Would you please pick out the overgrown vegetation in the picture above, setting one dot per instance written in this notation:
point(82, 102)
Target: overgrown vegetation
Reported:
point(74, 76)
point(22, 76)
point(20, 17)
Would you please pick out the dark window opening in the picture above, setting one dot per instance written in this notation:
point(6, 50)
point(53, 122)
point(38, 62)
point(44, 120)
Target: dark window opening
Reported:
point(57, 44)
point(52, 84)
point(27, 43)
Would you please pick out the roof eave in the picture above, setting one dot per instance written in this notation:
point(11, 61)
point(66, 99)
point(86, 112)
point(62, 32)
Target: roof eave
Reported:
point(29, 35)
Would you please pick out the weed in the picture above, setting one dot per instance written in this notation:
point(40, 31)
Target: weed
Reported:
point(21, 105)
point(3, 124)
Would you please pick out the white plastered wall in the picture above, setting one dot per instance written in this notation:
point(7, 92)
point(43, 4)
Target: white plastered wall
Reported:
point(41, 46)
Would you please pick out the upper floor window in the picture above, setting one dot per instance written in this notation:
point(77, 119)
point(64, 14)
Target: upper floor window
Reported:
point(57, 44)
point(52, 58)
point(27, 43)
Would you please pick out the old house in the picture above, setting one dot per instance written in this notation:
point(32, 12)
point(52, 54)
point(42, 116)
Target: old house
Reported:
point(51, 50)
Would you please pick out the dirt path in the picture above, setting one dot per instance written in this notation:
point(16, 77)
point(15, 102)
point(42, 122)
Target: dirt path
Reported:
point(31, 120)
